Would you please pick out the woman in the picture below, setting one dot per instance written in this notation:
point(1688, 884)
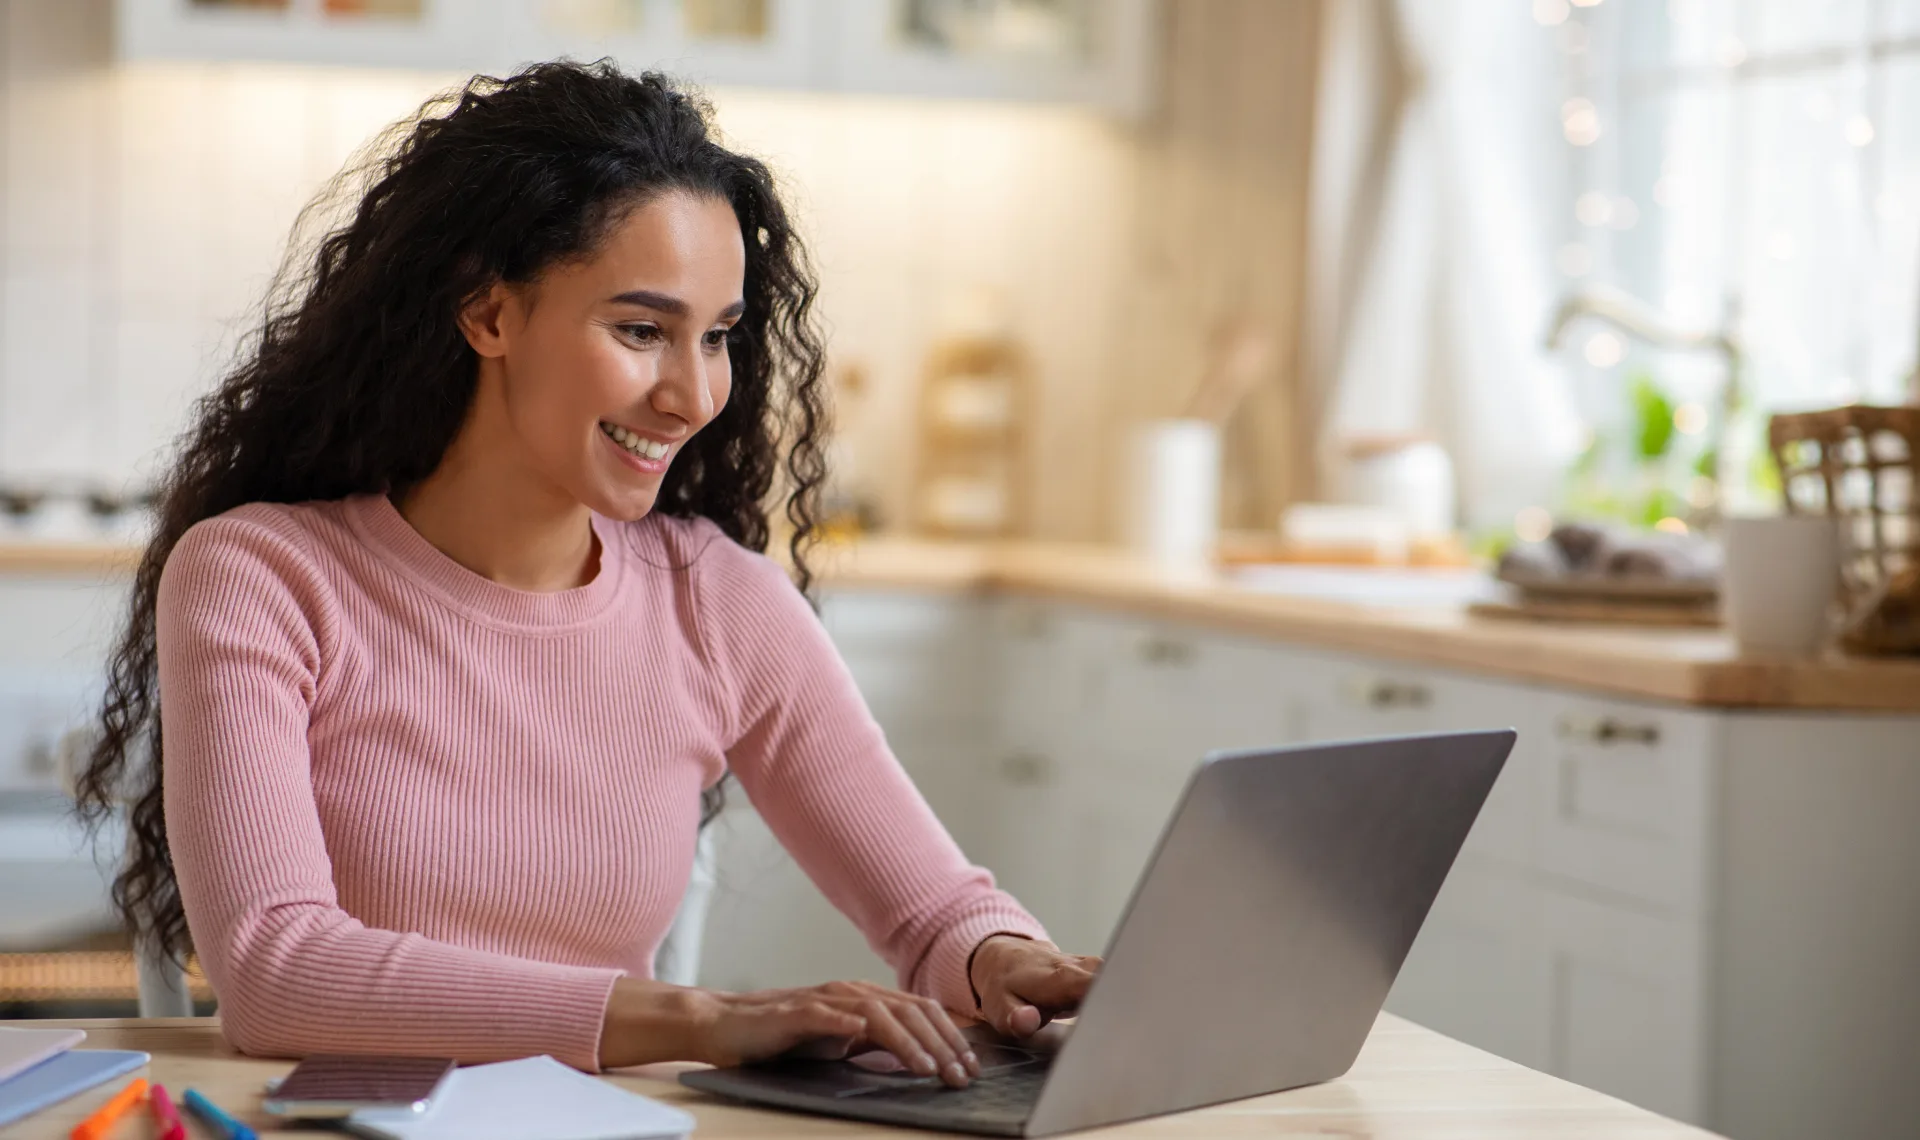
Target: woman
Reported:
point(456, 615)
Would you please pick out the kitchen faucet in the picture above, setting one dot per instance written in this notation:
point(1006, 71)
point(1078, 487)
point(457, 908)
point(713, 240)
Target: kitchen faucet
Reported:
point(1638, 319)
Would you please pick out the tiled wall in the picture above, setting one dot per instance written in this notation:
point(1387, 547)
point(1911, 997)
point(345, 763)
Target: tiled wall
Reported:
point(145, 207)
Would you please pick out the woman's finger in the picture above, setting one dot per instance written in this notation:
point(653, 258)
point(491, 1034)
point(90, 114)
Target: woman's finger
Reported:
point(1008, 1013)
point(951, 1059)
point(942, 1021)
point(885, 1030)
point(819, 1031)
point(1055, 987)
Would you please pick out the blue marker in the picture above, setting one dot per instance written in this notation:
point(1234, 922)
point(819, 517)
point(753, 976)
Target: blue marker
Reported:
point(210, 1112)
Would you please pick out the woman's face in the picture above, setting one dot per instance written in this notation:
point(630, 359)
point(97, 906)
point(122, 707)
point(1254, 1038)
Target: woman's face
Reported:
point(603, 369)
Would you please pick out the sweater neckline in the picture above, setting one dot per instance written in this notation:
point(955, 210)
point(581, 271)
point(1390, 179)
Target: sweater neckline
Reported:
point(393, 538)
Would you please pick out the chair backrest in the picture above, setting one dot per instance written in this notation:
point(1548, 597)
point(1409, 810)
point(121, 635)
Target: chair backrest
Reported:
point(163, 981)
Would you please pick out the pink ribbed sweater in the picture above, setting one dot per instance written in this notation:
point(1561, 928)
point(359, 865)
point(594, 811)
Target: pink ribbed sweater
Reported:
point(413, 810)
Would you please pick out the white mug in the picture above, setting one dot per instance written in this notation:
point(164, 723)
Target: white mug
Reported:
point(1782, 579)
point(1173, 513)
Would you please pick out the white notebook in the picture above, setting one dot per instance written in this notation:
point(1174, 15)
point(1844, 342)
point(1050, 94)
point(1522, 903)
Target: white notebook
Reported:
point(536, 1098)
point(22, 1049)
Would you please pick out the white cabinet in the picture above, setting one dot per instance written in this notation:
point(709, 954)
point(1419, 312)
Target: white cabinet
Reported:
point(1096, 55)
point(1628, 1012)
point(437, 36)
point(1481, 966)
point(1706, 912)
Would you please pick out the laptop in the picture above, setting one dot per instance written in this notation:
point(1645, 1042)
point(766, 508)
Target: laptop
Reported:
point(1254, 955)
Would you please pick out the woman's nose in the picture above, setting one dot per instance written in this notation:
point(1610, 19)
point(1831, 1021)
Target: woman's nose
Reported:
point(683, 389)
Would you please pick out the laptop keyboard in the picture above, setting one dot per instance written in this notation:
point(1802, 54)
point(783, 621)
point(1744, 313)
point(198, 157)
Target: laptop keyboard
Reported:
point(1009, 1093)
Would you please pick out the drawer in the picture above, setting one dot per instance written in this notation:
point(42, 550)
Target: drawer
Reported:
point(1628, 798)
point(1629, 1004)
point(1167, 695)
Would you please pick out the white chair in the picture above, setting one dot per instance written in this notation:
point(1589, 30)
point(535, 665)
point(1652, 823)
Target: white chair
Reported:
point(163, 981)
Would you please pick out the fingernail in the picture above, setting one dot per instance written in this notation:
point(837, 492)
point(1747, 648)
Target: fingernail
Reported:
point(956, 1074)
point(973, 1063)
point(926, 1064)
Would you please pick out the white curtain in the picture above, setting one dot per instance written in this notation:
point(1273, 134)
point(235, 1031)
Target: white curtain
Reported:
point(1430, 276)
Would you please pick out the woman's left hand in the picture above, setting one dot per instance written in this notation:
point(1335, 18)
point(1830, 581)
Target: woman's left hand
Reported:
point(1024, 983)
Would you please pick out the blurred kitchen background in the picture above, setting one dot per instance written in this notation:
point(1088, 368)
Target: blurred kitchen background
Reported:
point(1208, 373)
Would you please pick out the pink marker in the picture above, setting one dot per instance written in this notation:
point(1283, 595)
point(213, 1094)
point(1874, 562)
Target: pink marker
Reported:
point(163, 1111)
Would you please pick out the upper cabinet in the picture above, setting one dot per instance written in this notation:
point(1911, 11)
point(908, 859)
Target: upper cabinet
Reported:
point(1094, 53)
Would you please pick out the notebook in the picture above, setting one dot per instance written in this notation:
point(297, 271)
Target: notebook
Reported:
point(536, 1098)
point(61, 1076)
point(24, 1048)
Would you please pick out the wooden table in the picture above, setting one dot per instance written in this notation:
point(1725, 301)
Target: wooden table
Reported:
point(1409, 1084)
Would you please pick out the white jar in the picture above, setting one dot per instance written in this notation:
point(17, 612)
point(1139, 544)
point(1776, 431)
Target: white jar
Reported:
point(1409, 475)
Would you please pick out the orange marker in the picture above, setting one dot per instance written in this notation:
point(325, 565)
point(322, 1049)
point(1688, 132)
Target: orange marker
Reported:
point(163, 1111)
point(95, 1126)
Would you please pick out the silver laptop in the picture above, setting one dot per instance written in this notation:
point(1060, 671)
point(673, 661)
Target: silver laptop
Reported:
point(1253, 957)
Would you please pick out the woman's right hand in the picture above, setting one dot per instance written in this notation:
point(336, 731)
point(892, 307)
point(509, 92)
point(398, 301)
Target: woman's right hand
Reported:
point(837, 1019)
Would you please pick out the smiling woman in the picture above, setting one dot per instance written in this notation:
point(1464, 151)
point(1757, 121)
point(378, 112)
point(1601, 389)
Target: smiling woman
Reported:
point(457, 608)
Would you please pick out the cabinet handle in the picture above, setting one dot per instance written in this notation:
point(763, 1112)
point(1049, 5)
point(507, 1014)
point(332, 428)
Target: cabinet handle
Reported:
point(1158, 649)
point(1605, 730)
point(1026, 769)
point(1386, 693)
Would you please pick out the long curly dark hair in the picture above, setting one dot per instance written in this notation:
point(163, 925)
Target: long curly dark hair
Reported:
point(357, 377)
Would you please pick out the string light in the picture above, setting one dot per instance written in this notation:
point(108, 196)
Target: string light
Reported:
point(1580, 121)
point(1550, 13)
point(1604, 350)
point(1532, 524)
point(1860, 130)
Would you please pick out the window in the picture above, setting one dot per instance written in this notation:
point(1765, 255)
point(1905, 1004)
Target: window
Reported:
point(1753, 157)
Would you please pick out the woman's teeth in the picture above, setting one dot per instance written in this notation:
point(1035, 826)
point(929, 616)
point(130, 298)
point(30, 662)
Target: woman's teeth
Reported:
point(639, 445)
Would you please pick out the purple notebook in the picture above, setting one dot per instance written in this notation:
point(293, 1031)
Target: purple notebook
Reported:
point(22, 1048)
point(61, 1076)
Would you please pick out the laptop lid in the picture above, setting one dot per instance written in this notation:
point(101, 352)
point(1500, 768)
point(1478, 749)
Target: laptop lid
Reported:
point(1262, 939)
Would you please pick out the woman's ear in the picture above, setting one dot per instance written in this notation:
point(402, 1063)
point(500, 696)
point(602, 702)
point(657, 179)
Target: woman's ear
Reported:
point(483, 319)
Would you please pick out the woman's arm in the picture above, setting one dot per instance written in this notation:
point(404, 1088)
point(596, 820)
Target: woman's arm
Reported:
point(820, 773)
point(243, 615)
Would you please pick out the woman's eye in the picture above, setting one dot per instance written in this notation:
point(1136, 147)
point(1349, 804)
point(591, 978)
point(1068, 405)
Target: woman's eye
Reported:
point(643, 333)
point(717, 338)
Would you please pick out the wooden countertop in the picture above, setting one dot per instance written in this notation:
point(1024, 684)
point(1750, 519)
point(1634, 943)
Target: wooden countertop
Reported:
point(1409, 1083)
point(1692, 667)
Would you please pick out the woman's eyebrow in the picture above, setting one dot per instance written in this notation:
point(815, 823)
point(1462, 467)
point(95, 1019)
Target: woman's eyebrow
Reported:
point(663, 303)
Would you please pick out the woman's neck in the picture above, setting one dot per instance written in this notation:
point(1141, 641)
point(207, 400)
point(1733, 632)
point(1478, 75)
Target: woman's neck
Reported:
point(506, 524)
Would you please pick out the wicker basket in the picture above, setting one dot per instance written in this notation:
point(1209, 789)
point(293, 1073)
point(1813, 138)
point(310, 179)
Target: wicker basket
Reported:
point(1858, 465)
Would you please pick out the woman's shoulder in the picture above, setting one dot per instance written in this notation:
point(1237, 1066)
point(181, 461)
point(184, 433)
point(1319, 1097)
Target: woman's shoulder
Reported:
point(255, 548)
point(277, 532)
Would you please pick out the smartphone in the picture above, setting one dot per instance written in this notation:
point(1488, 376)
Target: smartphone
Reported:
point(330, 1086)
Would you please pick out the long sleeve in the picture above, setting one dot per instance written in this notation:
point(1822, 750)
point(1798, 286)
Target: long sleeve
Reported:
point(244, 618)
point(819, 771)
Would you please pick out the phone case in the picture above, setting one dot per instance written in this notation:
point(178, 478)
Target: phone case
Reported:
point(330, 1086)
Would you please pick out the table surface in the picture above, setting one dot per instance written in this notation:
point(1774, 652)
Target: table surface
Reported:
point(1409, 1084)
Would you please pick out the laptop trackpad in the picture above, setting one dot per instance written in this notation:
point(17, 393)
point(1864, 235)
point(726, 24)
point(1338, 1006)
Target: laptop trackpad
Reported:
point(879, 1071)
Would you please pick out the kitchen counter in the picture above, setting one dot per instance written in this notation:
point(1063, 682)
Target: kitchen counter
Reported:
point(1408, 1082)
point(1690, 667)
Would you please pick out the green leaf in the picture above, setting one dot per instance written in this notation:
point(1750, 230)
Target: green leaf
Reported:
point(1652, 417)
